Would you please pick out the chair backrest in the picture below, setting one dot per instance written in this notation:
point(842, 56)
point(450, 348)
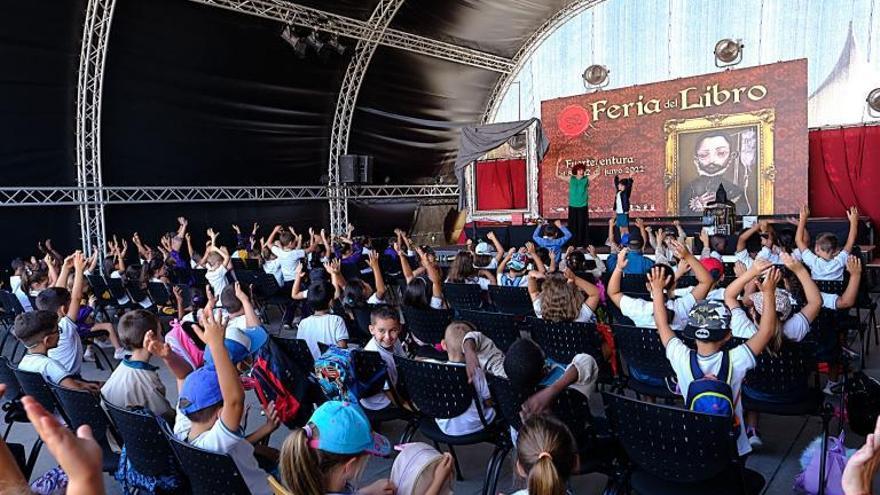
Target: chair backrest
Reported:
point(159, 293)
point(99, 287)
point(8, 378)
point(10, 304)
point(84, 408)
point(428, 325)
point(136, 292)
point(508, 400)
point(502, 328)
point(209, 473)
point(831, 286)
point(463, 296)
point(299, 352)
point(245, 264)
point(116, 288)
point(368, 364)
point(34, 385)
point(247, 277)
point(513, 300)
point(785, 374)
point(671, 443)
point(438, 390)
point(642, 352)
point(266, 285)
point(634, 283)
point(570, 406)
point(146, 447)
point(563, 340)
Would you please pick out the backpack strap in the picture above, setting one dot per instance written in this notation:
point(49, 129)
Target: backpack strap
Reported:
point(696, 372)
point(726, 371)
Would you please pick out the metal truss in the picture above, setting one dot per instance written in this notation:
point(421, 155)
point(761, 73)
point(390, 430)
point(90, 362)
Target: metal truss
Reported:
point(73, 196)
point(345, 104)
point(93, 54)
point(291, 13)
point(528, 48)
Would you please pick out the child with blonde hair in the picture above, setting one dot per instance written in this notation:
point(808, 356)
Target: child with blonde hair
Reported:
point(546, 456)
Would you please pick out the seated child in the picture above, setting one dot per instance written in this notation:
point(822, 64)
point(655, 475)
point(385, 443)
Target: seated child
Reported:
point(709, 324)
point(546, 456)
point(136, 383)
point(714, 245)
point(68, 350)
point(641, 312)
point(469, 421)
point(851, 293)
point(749, 247)
point(561, 297)
point(827, 261)
point(211, 407)
point(38, 332)
point(636, 261)
point(513, 270)
point(287, 251)
point(329, 454)
point(322, 326)
point(463, 271)
point(271, 264)
point(385, 329)
point(218, 263)
point(552, 236)
point(715, 268)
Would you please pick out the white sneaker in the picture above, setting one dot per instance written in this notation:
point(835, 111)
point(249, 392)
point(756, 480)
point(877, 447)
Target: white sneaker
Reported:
point(829, 386)
point(119, 354)
point(754, 440)
point(89, 355)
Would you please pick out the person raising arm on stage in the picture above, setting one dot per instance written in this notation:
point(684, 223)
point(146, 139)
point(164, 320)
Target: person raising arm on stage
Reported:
point(578, 200)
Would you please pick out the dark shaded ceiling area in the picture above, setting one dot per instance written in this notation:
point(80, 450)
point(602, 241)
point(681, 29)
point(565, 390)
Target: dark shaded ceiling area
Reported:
point(201, 95)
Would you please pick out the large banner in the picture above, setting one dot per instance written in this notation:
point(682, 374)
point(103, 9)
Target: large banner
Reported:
point(680, 139)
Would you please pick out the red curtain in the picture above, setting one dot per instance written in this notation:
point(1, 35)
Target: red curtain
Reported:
point(845, 171)
point(501, 185)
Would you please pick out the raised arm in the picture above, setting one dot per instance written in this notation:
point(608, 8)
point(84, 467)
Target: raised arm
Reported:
point(853, 215)
point(768, 319)
point(566, 234)
point(230, 385)
point(404, 263)
point(502, 266)
point(182, 222)
point(704, 278)
point(610, 242)
point(499, 249)
point(732, 292)
point(799, 238)
point(79, 265)
point(533, 253)
point(658, 284)
point(536, 235)
point(741, 240)
point(850, 295)
point(811, 292)
point(614, 292)
point(61, 278)
point(271, 240)
point(534, 291)
point(434, 275)
point(587, 288)
point(646, 232)
point(681, 233)
point(377, 275)
point(296, 291)
point(250, 316)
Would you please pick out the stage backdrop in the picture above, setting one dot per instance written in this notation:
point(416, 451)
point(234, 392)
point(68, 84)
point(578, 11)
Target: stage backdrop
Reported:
point(680, 139)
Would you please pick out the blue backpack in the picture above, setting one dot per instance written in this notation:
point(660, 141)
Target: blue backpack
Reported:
point(711, 395)
point(336, 374)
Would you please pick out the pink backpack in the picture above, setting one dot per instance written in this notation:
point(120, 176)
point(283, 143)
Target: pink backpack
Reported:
point(807, 482)
point(182, 343)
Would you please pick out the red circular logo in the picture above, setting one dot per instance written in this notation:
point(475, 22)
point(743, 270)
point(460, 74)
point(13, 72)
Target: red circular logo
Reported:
point(573, 120)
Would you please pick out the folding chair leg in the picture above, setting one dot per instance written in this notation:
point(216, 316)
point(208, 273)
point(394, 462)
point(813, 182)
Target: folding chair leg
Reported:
point(107, 360)
point(8, 429)
point(459, 474)
point(827, 414)
point(32, 458)
point(493, 472)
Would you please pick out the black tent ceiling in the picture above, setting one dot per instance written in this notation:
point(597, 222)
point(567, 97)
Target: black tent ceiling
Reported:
point(199, 94)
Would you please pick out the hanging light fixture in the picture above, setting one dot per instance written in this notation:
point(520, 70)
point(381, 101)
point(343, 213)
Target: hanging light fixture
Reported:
point(873, 101)
point(728, 52)
point(595, 77)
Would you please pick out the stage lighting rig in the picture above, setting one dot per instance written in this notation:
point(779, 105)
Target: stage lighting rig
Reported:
point(728, 52)
point(595, 77)
point(873, 101)
point(297, 38)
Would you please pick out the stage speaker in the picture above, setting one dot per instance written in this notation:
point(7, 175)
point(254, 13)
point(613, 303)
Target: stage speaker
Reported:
point(365, 169)
point(348, 169)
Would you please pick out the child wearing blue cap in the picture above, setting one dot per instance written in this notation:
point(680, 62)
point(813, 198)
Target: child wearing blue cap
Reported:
point(328, 455)
point(211, 406)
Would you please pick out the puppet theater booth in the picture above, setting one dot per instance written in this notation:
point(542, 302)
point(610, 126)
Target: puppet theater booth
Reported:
point(497, 169)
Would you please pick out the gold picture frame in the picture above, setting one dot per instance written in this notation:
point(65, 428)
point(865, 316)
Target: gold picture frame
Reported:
point(763, 120)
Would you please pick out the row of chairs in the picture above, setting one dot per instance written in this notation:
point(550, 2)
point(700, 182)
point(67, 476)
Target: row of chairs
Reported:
point(149, 445)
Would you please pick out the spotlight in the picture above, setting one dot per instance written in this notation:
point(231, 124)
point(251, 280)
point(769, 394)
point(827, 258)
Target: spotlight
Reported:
point(336, 45)
point(297, 37)
point(873, 100)
point(728, 52)
point(595, 77)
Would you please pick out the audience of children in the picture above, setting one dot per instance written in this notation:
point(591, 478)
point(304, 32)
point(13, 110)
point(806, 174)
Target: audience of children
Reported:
point(328, 455)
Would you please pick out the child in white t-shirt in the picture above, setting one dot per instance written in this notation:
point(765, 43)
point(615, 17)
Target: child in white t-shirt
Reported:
point(288, 251)
point(563, 297)
point(218, 263)
point(826, 262)
point(271, 264)
point(469, 421)
point(385, 329)
point(709, 324)
point(322, 327)
point(641, 312)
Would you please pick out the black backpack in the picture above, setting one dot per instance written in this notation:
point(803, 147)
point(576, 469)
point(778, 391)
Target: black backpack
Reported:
point(280, 379)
